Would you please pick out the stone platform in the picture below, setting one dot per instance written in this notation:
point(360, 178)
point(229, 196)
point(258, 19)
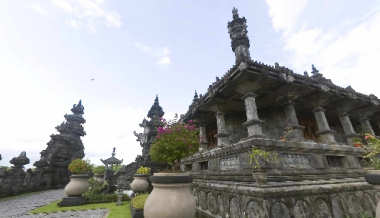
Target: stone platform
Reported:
point(309, 180)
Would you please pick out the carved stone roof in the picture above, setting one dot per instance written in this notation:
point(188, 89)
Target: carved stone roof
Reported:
point(275, 72)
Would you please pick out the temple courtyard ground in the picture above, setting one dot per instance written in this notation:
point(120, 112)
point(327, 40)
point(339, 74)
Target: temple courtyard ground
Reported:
point(45, 201)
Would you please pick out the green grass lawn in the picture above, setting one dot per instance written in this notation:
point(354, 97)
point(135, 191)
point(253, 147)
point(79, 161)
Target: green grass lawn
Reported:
point(114, 211)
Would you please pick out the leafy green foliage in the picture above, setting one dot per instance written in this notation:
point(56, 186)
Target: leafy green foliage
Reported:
point(117, 167)
point(79, 166)
point(139, 201)
point(175, 140)
point(95, 193)
point(258, 157)
point(143, 170)
point(372, 150)
point(98, 170)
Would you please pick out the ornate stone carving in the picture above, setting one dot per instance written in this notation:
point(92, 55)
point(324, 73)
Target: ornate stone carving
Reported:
point(20, 161)
point(237, 29)
point(63, 148)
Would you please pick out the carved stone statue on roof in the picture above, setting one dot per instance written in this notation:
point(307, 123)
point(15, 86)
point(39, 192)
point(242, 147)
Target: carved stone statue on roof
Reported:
point(20, 161)
point(237, 29)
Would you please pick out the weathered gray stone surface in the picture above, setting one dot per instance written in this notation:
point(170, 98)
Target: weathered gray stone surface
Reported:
point(18, 206)
point(100, 213)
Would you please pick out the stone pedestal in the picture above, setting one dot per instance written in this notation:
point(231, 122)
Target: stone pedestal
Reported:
point(325, 134)
point(72, 201)
point(253, 123)
point(294, 130)
point(366, 126)
point(348, 129)
point(203, 143)
point(222, 131)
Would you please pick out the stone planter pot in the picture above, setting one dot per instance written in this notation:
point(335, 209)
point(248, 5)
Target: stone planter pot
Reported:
point(171, 197)
point(99, 178)
point(140, 183)
point(78, 185)
point(260, 176)
point(373, 177)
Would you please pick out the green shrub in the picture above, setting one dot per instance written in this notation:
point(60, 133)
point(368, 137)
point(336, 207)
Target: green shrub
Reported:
point(99, 170)
point(174, 141)
point(79, 166)
point(102, 198)
point(139, 201)
point(143, 170)
point(95, 193)
point(372, 150)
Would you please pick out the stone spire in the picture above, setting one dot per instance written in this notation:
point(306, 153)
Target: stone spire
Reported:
point(237, 29)
point(156, 110)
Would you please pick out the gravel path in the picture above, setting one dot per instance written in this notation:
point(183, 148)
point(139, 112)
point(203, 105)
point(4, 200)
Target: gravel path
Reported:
point(20, 206)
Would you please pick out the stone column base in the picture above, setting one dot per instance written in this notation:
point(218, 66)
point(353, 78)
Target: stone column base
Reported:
point(222, 139)
point(254, 128)
point(327, 136)
point(295, 132)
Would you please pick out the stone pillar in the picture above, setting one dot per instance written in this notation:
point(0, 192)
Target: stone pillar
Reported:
point(366, 126)
point(293, 129)
point(253, 123)
point(222, 131)
point(348, 129)
point(324, 132)
point(203, 143)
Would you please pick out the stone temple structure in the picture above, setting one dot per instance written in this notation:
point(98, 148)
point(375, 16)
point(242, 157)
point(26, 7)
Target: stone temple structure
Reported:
point(310, 122)
point(145, 138)
point(62, 149)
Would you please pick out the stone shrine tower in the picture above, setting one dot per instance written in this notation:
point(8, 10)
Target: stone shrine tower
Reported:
point(62, 149)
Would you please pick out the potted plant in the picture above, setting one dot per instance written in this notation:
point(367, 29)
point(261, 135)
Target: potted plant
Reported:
point(99, 173)
point(140, 180)
point(259, 160)
point(79, 177)
point(372, 154)
point(137, 206)
point(171, 196)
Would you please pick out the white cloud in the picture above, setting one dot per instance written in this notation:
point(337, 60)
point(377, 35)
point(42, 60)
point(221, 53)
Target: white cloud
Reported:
point(162, 55)
point(88, 13)
point(38, 9)
point(284, 13)
point(347, 56)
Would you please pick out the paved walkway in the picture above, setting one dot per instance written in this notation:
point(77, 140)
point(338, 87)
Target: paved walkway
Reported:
point(20, 206)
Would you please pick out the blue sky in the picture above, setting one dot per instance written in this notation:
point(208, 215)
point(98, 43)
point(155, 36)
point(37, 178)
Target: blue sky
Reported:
point(51, 49)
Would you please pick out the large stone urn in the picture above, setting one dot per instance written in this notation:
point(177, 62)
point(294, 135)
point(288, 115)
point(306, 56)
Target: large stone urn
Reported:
point(74, 189)
point(171, 197)
point(78, 185)
point(140, 183)
point(373, 178)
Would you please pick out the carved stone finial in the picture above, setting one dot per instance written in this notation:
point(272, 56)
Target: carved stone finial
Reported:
point(195, 96)
point(237, 29)
point(235, 13)
point(156, 110)
point(305, 74)
point(314, 70)
point(113, 152)
point(20, 161)
point(78, 108)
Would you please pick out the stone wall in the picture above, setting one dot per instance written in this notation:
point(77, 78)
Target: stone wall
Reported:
point(236, 200)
